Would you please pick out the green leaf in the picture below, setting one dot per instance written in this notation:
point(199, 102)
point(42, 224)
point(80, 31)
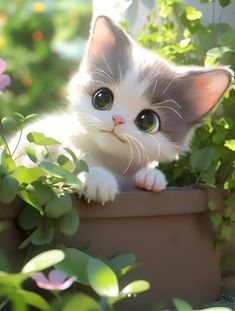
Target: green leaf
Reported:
point(31, 200)
point(122, 261)
point(19, 117)
point(75, 264)
point(102, 278)
point(27, 175)
point(41, 140)
point(216, 219)
point(192, 13)
point(8, 189)
point(42, 235)
point(34, 300)
point(80, 164)
point(65, 162)
point(84, 302)
point(185, 42)
point(43, 261)
point(226, 232)
point(202, 159)
point(230, 144)
point(13, 279)
point(59, 172)
point(9, 124)
point(31, 154)
point(69, 223)
point(212, 206)
point(224, 3)
point(30, 117)
point(58, 206)
point(182, 305)
point(41, 192)
point(165, 10)
point(215, 54)
point(29, 218)
point(7, 163)
point(136, 287)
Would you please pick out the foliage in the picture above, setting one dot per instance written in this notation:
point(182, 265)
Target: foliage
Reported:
point(176, 31)
point(46, 189)
point(42, 42)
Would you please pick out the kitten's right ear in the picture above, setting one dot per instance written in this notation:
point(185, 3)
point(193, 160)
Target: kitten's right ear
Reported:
point(106, 38)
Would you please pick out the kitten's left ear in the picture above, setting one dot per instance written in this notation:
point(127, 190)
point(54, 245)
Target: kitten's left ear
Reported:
point(202, 90)
point(106, 38)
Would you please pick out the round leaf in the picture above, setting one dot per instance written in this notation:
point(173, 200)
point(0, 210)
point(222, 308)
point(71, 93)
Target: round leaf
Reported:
point(75, 264)
point(10, 124)
point(58, 206)
point(181, 305)
point(68, 224)
point(8, 189)
point(29, 218)
point(42, 235)
point(44, 261)
point(102, 278)
point(136, 287)
point(84, 302)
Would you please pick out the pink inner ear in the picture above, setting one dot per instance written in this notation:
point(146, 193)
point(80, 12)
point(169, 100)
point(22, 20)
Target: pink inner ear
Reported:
point(210, 86)
point(102, 38)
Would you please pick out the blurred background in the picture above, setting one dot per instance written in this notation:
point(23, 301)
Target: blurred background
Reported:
point(42, 43)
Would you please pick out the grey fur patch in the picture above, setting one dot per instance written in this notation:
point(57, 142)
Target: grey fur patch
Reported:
point(111, 66)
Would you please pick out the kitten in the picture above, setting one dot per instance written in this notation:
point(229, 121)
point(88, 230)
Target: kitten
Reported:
point(128, 108)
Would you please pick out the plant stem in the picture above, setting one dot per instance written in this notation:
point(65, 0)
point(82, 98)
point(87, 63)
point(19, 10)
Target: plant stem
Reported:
point(4, 303)
point(18, 142)
point(6, 144)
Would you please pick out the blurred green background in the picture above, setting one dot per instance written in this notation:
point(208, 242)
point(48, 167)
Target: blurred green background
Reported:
point(42, 42)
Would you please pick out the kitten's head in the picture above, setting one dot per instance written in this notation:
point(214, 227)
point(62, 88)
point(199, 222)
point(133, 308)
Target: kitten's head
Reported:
point(131, 103)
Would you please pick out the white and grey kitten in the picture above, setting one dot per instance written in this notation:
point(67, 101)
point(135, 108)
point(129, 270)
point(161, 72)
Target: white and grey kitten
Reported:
point(128, 108)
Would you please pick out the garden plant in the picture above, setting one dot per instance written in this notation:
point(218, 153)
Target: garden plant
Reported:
point(175, 30)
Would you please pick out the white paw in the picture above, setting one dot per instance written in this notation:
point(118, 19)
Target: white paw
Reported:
point(150, 179)
point(100, 185)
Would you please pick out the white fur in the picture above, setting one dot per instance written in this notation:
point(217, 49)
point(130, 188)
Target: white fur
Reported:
point(150, 179)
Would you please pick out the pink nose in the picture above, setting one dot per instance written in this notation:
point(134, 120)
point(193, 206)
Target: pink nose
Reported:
point(117, 119)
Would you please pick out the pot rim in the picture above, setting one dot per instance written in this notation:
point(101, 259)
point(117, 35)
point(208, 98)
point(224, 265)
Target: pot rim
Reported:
point(136, 203)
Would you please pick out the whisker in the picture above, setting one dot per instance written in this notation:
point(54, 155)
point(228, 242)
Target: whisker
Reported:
point(103, 74)
point(137, 148)
point(168, 85)
point(170, 108)
point(108, 66)
point(158, 145)
point(154, 88)
point(131, 157)
point(145, 153)
point(169, 100)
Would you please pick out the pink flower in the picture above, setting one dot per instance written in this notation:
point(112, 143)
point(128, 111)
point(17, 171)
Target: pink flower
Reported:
point(56, 280)
point(5, 80)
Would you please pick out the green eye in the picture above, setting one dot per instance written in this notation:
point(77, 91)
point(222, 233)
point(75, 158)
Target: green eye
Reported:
point(102, 99)
point(148, 121)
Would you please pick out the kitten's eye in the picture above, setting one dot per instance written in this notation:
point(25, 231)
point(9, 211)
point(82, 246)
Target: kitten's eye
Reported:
point(102, 99)
point(148, 121)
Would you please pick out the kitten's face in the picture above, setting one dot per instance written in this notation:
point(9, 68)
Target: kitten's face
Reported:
point(135, 105)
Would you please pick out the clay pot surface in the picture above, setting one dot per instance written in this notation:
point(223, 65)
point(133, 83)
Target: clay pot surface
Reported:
point(168, 232)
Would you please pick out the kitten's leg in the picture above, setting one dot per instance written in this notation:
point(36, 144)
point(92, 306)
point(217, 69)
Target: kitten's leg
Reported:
point(150, 179)
point(100, 185)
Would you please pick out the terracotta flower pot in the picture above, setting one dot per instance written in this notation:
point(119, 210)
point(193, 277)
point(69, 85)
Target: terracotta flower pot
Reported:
point(169, 233)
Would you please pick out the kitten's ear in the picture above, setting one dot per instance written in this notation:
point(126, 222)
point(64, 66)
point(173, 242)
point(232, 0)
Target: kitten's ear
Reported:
point(202, 90)
point(106, 37)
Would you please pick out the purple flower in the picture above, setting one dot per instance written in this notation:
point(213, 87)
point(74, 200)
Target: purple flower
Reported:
point(56, 280)
point(5, 80)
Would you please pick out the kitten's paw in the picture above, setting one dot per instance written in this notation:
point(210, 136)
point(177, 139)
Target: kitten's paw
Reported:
point(100, 185)
point(150, 179)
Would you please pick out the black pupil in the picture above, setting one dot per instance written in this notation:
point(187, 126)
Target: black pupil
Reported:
point(146, 120)
point(102, 99)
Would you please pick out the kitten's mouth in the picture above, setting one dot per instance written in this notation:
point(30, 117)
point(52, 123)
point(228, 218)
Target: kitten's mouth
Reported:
point(113, 134)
